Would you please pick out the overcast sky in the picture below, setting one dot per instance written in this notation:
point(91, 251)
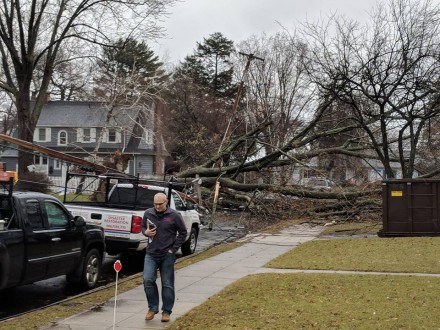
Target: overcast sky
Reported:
point(192, 20)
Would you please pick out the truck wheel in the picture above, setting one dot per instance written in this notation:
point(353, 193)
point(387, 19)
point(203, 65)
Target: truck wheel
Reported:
point(189, 247)
point(92, 269)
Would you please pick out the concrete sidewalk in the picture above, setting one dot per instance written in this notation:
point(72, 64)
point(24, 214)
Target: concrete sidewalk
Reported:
point(194, 284)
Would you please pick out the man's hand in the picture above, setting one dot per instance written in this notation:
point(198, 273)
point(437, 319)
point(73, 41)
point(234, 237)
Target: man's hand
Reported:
point(150, 232)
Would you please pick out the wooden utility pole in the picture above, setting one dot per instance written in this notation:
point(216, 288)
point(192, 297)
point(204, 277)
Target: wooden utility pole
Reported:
point(228, 131)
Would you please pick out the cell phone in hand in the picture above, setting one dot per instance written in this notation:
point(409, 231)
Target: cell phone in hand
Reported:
point(151, 225)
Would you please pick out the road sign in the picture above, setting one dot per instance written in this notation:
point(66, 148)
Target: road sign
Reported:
point(117, 266)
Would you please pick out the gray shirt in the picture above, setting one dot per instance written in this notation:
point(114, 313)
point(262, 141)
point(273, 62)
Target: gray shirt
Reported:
point(170, 231)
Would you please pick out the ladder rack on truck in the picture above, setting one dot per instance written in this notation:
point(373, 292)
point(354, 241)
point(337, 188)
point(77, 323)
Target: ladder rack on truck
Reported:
point(106, 181)
point(117, 203)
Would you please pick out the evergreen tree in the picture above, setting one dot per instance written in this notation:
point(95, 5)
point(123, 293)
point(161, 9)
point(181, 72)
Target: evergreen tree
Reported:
point(130, 64)
point(200, 98)
point(128, 56)
point(130, 77)
point(210, 65)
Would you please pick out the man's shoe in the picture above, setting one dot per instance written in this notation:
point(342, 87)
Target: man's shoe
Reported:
point(165, 317)
point(150, 315)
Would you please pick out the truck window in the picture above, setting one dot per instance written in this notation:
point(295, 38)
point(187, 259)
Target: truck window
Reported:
point(56, 216)
point(178, 203)
point(6, 213)
point(126, 196)
point(34, 214)
point(12, 223)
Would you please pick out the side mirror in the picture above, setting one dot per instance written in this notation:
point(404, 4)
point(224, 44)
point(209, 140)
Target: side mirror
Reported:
point(189, 206)
point(79, 221)
point(199, 208)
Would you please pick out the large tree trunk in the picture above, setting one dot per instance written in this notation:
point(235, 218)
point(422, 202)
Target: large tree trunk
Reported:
point(25, 129)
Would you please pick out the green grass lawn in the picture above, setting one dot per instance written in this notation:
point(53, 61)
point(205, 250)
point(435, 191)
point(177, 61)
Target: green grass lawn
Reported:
point(333, 301)
point(320, 301)
point(402, 254)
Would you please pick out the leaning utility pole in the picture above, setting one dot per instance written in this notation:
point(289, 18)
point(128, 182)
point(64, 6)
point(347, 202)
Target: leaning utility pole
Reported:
point(228, 131)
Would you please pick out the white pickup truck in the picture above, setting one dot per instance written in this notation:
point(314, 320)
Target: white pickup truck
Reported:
point(121, 211)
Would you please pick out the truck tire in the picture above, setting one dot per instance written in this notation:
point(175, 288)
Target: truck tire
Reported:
point(91, 271)
point(189, 247)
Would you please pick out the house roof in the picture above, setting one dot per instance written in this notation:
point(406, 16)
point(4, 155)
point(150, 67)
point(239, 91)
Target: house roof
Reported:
point(74, 114)
point(85, 114)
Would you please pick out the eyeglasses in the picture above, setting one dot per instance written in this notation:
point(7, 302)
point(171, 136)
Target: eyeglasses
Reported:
point(158, 204)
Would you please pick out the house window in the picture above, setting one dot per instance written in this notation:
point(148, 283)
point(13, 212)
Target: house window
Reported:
point(40, 160)
point(42, 135)
point(309, 173)
point(86, 135)
point(57, 164)
point(62, 138)
point(111, 135)
point(148, 137)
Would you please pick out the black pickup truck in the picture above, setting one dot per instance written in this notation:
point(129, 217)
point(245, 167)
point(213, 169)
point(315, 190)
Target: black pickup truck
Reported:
point(40, 239)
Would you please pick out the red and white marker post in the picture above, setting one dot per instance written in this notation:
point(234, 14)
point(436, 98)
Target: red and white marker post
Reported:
point(117, 266)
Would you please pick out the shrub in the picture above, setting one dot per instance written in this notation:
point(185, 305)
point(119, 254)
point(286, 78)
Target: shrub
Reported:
point(34, 181)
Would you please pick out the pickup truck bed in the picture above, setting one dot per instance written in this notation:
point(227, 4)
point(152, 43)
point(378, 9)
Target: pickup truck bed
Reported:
point(121, 211)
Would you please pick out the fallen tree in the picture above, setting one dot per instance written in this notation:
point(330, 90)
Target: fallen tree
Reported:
point(285, 199)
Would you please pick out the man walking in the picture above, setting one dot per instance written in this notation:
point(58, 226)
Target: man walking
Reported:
point(167, 232)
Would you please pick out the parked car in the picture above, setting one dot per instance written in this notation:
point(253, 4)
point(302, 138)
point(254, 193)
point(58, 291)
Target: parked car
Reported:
point(320, 183)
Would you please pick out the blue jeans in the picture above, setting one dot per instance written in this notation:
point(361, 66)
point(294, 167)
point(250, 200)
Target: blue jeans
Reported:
point(165, 264)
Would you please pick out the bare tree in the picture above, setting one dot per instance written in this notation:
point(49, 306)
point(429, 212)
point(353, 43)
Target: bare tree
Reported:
point(388, 73)
point(71, 80)
point(72, 75)
point(32, 33)
point(8, 114)
point(277, 90)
